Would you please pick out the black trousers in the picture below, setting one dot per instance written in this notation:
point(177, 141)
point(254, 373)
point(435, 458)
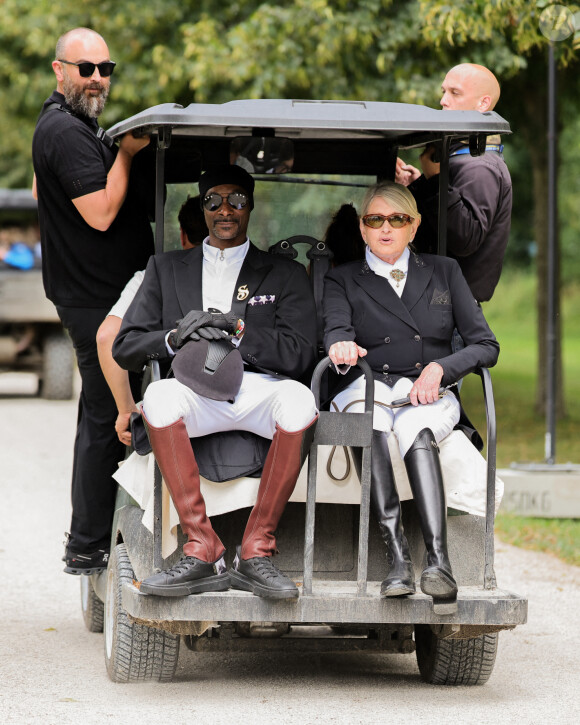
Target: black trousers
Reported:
point(97, 450)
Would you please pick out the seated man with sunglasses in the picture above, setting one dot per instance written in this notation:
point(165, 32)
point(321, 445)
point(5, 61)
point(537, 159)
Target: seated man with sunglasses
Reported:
point(95, 234)
point(225, 289)
point(398, 309)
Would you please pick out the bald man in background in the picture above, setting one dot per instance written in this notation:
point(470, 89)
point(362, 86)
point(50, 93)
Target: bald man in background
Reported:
point(480, 188)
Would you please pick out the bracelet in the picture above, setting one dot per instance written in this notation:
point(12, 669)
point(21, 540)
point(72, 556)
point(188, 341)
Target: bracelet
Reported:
point(240, 328)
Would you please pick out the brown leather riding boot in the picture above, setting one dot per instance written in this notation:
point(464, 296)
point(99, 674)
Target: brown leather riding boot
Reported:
point(253, 569)
point(287, 453)
point(173, 452)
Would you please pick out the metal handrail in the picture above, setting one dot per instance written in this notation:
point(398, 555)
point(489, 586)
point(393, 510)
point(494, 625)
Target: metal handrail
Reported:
point(334, 428)
point(488, 572)
point(153, 374)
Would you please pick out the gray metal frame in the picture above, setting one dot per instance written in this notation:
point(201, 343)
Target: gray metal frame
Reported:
point(341, 429)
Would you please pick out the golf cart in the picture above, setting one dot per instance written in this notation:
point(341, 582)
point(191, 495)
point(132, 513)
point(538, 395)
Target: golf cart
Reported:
point(307, 158)
point(32, 338)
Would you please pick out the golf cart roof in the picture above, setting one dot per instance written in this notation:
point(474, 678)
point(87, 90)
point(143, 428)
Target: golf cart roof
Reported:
point(17, 200)
point(403, 124)
point(332, 137)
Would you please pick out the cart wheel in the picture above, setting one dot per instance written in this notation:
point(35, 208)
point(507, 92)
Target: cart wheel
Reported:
point(455, 661)
point(93, 608)
point(133, 652)
point(57, 367)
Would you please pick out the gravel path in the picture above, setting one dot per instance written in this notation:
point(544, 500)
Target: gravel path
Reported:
point(52, 670)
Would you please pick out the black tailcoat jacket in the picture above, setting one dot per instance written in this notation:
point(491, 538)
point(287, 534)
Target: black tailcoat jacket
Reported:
point(272, 295)
point(403, 335)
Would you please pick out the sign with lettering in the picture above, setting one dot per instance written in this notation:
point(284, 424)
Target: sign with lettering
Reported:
point(541, 493)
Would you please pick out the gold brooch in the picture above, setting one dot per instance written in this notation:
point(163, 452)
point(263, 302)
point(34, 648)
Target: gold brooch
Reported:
point(397, 275)
point(243, 292)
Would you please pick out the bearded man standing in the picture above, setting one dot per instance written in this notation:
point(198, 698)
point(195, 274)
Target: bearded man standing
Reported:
point(95, 234)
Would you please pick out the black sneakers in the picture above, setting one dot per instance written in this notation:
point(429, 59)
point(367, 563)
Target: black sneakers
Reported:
point(261, 577)
point(87, 564)
point(188, 576)
point(91, 563)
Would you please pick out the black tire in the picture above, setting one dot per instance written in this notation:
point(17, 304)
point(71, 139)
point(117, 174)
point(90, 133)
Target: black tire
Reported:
point(455, 661)
point(57, 367)
point(133, 652)
point(93, 608)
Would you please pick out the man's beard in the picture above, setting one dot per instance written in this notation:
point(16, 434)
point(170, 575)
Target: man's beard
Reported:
point(229, 235)
point(90, 106)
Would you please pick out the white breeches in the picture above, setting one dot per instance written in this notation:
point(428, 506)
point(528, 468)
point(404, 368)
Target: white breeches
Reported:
point(261, 403)
point(440, 416)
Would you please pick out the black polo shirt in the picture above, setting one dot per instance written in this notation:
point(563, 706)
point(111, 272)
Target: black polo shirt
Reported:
point(84, 267)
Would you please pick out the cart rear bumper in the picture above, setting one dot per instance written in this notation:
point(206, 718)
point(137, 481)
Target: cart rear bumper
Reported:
point(330, 602)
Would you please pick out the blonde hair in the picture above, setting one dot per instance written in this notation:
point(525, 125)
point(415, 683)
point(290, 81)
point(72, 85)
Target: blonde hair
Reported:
point(394, 194)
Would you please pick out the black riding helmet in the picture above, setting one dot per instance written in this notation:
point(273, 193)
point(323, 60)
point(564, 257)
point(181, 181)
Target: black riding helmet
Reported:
point(211, 368)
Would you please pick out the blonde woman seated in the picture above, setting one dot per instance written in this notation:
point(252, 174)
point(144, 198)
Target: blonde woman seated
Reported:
point(398, 309)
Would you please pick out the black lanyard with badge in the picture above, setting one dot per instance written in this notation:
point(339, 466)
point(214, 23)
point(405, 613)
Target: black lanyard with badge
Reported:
point(101, 134)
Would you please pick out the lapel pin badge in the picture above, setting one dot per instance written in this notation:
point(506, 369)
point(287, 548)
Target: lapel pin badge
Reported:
point(243, 292)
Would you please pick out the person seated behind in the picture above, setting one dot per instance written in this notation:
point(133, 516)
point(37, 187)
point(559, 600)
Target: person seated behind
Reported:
point(270, 309)
point(15, 255)
point(343, 236)
point(398, 309)
point(192, 231)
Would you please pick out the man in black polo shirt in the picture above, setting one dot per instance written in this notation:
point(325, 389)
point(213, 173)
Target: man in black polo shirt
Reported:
point(95, 234)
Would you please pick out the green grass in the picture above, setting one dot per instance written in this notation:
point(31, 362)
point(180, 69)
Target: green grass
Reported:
point(520, 431)
point(560, 537)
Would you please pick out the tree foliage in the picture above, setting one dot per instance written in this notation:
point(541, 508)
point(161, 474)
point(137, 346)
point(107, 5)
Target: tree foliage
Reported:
point(210, 52)
point(206, 51)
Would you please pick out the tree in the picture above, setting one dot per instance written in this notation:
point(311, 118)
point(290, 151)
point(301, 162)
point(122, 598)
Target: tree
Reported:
point(208, 51)
point(211, 52)
point(510, 41)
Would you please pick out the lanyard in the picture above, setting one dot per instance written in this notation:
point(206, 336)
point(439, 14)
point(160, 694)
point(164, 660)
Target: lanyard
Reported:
point(496, 148)
point(101, 134)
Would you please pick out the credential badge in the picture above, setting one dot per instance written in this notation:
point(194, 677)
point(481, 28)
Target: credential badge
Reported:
point(243, 292)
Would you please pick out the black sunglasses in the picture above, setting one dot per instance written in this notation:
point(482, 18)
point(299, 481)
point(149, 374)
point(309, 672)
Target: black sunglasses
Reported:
point(87, 69)
point(376, 221)
point(236, 199)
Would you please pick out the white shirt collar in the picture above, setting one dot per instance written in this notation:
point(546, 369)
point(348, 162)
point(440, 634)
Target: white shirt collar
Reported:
point(221, 269)
point(231, 255)
point(383, 268)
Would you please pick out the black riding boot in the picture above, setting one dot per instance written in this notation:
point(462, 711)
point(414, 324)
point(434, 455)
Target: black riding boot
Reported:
point(387, 508)
point(426, 480)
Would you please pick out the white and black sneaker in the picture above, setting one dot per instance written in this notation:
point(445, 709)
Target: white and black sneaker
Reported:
point(92, 563)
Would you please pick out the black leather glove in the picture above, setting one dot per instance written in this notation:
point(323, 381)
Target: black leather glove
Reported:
point(227, 321)
point(212, 333)
point(188, 326)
